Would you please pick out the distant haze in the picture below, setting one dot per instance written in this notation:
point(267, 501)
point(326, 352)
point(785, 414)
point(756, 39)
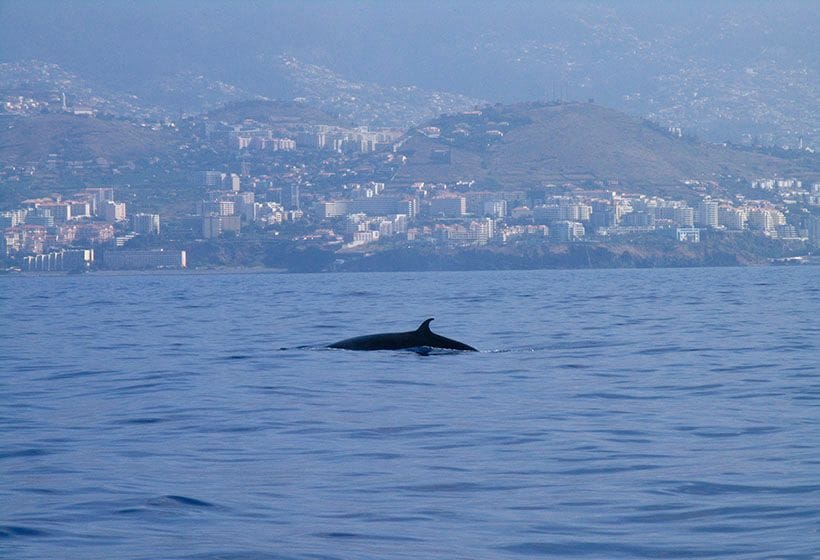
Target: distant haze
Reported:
point(463, 46)
point(648, 57)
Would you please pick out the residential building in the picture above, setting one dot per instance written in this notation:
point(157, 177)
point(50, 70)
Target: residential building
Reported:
point(113, 211)
point(292, 197)
point(213, 179)
point(61, 211)
point(99, 196)
point(495, 208)
point(546, 213)
point(761, 219)
point(145, 224)
point(216, 226)
point(707, 215)
point(451, 206)
point(234, 182)
point(684, 216)
point(334, 209)
point(566, 231)
point(13, 218)
point(79, 209)
point(731, 218)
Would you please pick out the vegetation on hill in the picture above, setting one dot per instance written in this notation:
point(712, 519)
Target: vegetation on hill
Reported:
point(521, 145)
point(38, 138)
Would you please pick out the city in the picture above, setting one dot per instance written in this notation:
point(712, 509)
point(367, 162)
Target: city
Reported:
point(350, 175)
point(279, 177)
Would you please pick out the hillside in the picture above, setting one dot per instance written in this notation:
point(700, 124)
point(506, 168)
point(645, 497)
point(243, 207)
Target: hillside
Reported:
point(34, 138)
point(363, 103)
point(521, 145)
point(275, 112)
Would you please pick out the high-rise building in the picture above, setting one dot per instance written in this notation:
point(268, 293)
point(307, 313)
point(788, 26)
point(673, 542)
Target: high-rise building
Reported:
point(244, 204)
point(99, 196)
point(684, 216)
point(386, 228)
point(786, 231)
point(584, 212)
point(400, 223)
point(761, 219)
point(638, 219)
point(731, 218)
point(546, 213)
point(451, 206)
point(334, 209)
point(80, 209)
point(13, 218)
point(485, 229)
point(60, 211)
point(216, 226)
point(565, 230)
point(813, 227)
point(114, 211)
point(316, 141)
point(227, 207)
point(602, 217)
point(409, 207)
point(707, 214)
point(235, 183)
point(40, 217)
point(213, 179)
point(291, 200)
point(381, 206)
point(495, 208)
point(211, 226)
point(145, 224)
point(479, 202)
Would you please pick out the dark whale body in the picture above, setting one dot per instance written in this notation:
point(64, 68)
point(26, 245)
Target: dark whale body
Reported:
point(422, 337)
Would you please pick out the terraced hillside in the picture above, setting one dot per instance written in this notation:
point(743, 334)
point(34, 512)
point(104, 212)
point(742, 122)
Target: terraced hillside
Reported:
point(525, 144)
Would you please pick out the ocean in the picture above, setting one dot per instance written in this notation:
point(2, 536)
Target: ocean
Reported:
point(651, 413)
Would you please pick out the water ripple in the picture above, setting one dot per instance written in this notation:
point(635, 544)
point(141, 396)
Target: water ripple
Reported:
point(621, 414)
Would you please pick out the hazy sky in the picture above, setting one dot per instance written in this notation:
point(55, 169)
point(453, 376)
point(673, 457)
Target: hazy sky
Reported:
point(493, 50)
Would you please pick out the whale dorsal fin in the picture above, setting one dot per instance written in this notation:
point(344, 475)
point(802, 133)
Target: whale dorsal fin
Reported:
point(425, 326)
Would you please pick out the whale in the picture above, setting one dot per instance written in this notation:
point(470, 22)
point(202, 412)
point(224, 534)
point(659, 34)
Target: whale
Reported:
point(422, 337)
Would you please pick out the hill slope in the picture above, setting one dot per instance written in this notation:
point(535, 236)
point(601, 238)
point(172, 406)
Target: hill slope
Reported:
point(275, 112)
point(526, 144)
point(69, 137)
point(35, 138)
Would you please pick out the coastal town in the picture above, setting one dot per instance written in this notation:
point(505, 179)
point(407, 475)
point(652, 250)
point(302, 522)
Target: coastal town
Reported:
point(344, 191)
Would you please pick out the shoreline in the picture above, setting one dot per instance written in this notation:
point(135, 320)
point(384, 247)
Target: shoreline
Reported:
point(239, 270)
point(153, 272)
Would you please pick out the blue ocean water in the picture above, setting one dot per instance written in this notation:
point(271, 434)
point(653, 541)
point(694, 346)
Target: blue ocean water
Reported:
point(611, 414)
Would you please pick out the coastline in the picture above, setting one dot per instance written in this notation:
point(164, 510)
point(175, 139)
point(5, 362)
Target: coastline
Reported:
point(153, 272)
point(240, 270)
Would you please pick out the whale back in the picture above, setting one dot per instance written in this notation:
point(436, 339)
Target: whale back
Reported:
point(421, 337)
